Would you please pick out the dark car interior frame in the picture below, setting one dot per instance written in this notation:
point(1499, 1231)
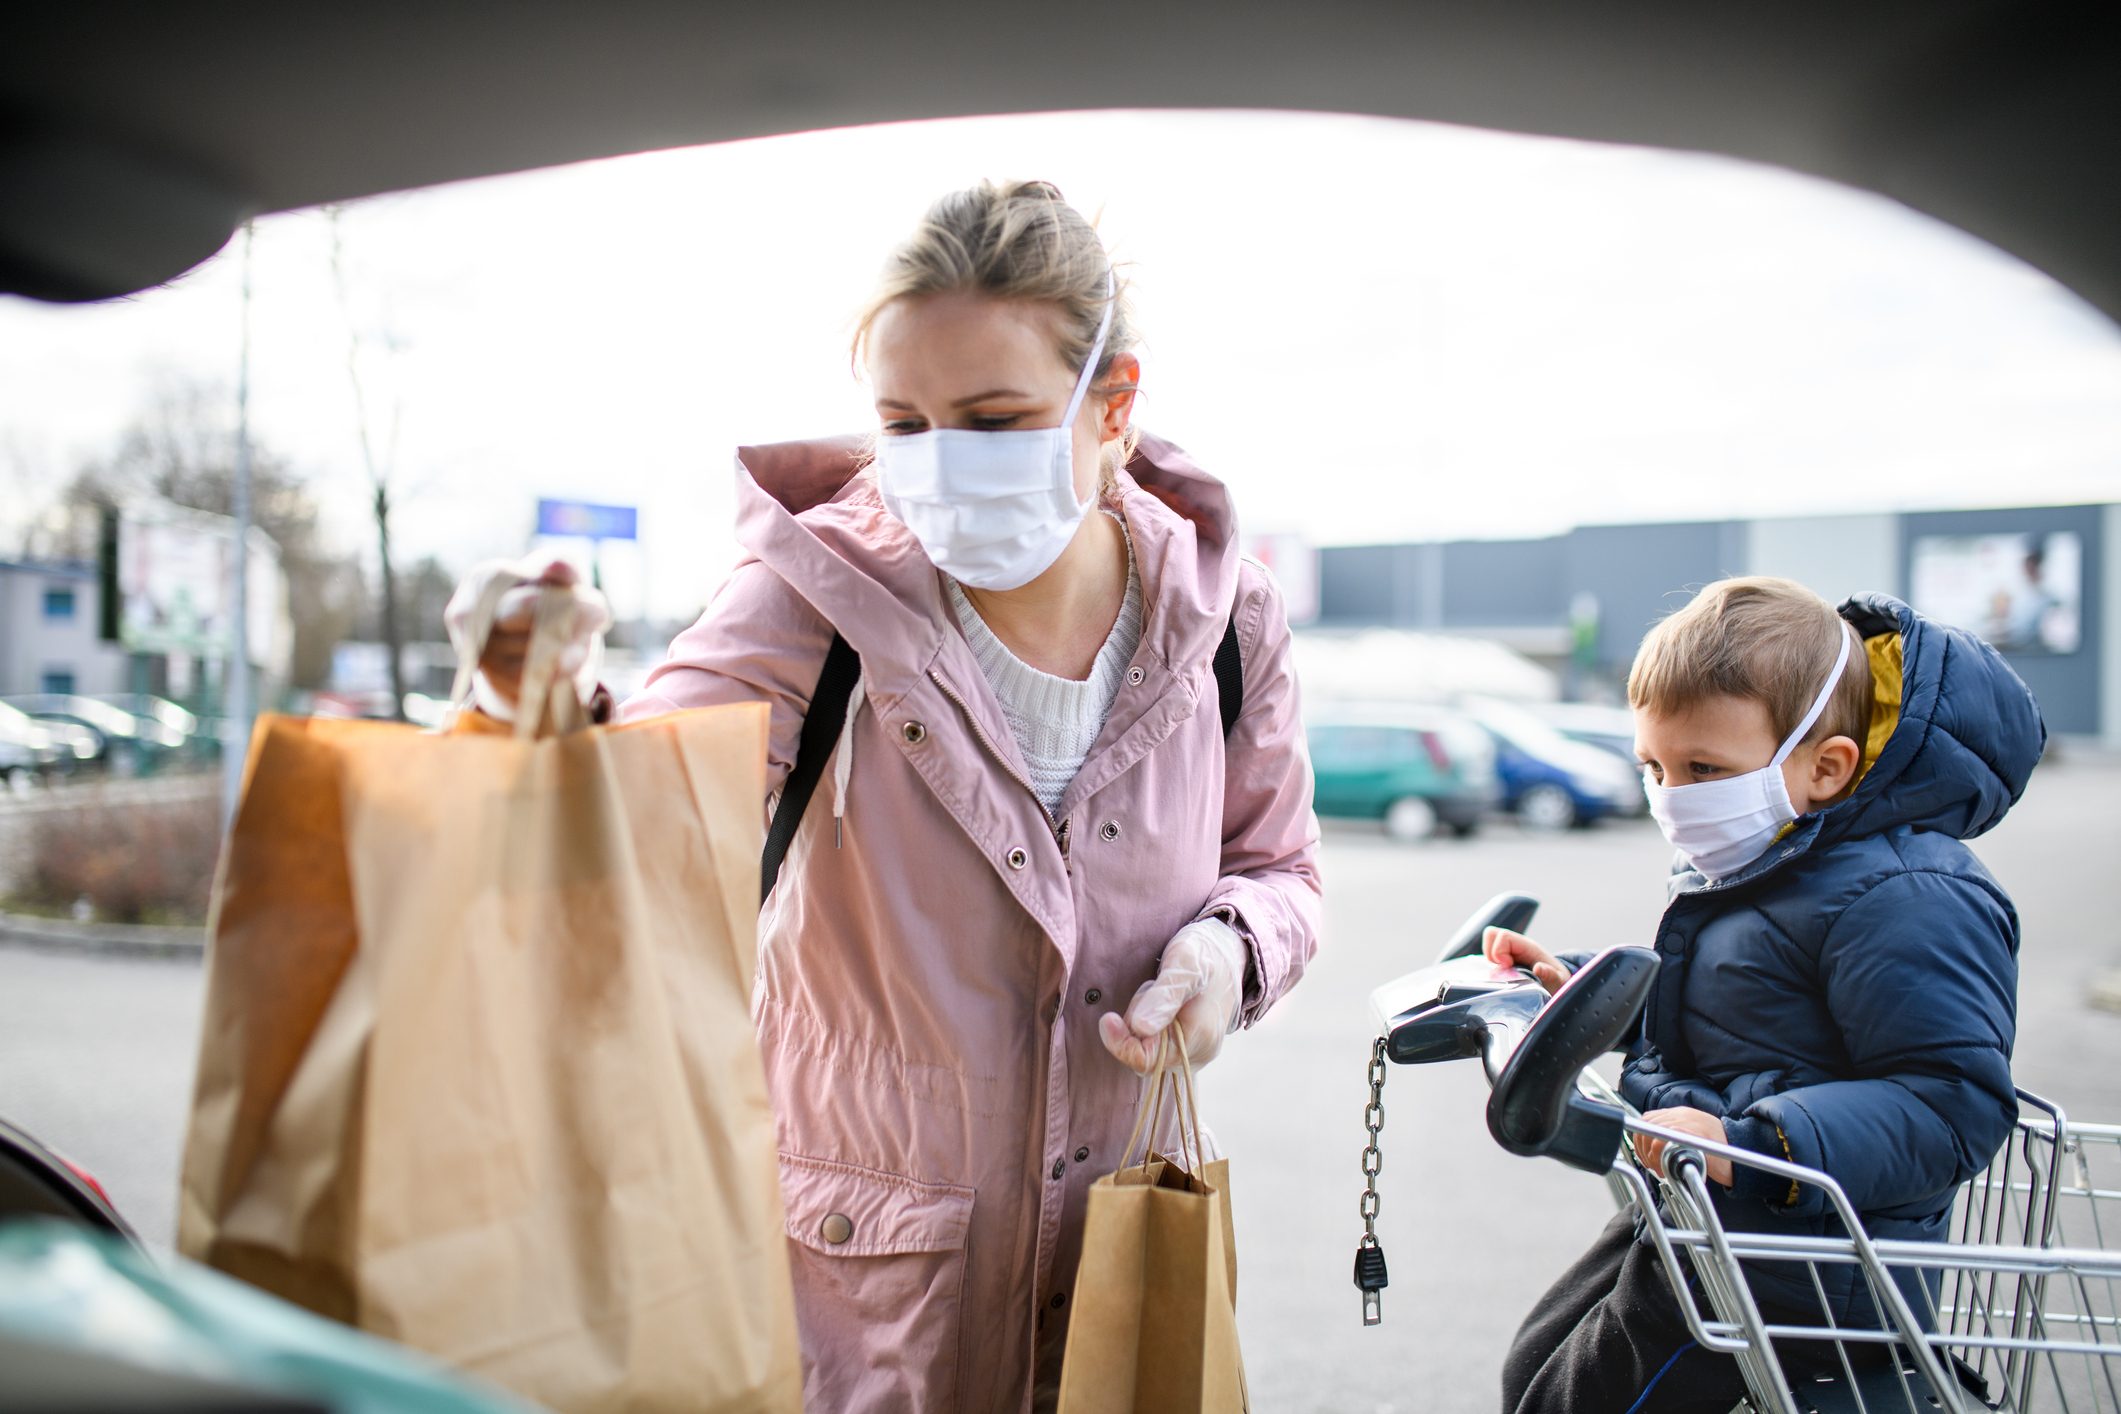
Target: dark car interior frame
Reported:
point(135, 138)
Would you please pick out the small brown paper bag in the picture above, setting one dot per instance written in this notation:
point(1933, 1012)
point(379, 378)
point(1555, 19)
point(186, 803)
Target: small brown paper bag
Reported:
point(1154, 1329)
point(478, 1072)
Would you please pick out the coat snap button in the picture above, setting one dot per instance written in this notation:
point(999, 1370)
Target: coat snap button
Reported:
point(914, 733)
point(836, 1228)
point(1060, 1166)
point(1135, 676)
point(1060, 1299)
point(1093, 996)
point(1082, 1156)
point(1109, 831)
point(1018, 859)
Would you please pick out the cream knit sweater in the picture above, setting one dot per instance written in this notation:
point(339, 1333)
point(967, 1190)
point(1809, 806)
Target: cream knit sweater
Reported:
point(1055, 720)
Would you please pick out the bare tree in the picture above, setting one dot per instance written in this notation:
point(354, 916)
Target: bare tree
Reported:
point(380, 503)
point(182, 449)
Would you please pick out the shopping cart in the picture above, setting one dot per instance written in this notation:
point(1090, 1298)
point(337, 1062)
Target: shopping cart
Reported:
point(2019, 1310)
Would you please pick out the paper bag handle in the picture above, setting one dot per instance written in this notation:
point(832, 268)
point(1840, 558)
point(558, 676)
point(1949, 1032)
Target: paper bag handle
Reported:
point(1179, 1081)
point(546, 703)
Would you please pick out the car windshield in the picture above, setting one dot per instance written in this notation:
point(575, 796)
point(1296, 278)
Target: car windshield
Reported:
point(100, 715)
point(14, 722)
point(161, 710)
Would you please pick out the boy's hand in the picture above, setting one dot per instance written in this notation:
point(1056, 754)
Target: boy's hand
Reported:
point(1507, 949)
point(1650, 1149)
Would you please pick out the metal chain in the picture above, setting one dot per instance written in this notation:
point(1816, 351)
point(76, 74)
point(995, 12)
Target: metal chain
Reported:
point(1373, 1159)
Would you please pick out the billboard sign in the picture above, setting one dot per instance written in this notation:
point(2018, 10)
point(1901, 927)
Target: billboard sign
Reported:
point(2022, 591)
point(174, 586)
point(585, 521)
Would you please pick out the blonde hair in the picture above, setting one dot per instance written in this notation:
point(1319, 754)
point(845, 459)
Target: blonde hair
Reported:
point(1766, 640)
point(1017, 241)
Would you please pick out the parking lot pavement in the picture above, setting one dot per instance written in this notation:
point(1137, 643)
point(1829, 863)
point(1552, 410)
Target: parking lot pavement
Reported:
point(96, 1056)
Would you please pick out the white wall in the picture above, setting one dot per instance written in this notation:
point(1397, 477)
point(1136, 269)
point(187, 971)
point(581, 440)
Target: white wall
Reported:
point(2109, 647)
point(31, 645)
point(1835, 556)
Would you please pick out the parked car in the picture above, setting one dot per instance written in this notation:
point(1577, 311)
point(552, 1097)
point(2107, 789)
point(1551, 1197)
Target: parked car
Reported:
point(1548, 781)
point(31, 748)
point(126, 745)
point(1610, 729)
point(1413, 769)
point(160, 709)
point(199, 744)
point(27, 750)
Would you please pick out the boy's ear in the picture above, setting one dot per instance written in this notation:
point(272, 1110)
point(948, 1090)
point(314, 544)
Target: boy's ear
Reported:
point(1834, 766)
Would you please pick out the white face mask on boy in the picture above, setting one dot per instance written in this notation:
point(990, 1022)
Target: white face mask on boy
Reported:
point(1723, 825)
point(992, 509)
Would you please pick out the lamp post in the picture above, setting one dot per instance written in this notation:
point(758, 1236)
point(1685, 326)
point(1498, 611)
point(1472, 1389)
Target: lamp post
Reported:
point(236, 705)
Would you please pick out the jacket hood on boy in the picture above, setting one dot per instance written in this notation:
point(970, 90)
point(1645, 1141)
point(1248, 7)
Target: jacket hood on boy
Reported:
point(1954, 736)
point(1965, 732)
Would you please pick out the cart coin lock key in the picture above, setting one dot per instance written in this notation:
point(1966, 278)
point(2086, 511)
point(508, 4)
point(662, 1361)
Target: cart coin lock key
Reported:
point(1532, 1048)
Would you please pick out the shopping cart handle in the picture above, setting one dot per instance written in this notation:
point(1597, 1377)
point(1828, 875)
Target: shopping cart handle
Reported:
point(1506, 910)
point(1534, 1107)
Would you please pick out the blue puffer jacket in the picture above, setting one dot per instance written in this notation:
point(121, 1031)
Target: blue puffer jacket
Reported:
point(1848, 1000)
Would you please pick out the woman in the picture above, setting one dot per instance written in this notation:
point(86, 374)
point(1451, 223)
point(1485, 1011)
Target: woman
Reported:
point(1032, 813)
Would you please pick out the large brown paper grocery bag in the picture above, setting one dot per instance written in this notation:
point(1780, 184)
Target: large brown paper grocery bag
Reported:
point(1155, 1323)
point(478, 1071)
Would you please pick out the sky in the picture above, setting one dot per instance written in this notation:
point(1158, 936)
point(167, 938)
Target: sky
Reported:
point(1373, 329)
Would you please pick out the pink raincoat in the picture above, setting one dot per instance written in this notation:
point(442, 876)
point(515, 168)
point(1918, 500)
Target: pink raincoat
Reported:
point(933, 964)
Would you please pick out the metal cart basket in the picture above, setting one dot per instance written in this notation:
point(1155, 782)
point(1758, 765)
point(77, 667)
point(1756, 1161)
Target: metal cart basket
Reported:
point(2018, 1309)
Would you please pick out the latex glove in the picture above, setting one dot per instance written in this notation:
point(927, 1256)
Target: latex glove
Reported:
point(1200, 981)
point(494, 687)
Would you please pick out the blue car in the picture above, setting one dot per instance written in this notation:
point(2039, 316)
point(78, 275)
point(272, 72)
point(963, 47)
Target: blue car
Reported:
point(1550, 782)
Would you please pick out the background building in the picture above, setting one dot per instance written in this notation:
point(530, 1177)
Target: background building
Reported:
point(174, 620)
point(2043, 583)
point(49, 615)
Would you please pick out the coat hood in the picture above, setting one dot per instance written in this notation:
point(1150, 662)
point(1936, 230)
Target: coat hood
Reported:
point(811, 512)
point(1955, 733)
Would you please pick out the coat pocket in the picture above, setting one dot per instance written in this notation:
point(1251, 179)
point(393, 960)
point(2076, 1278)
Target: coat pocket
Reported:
point(879, 1266)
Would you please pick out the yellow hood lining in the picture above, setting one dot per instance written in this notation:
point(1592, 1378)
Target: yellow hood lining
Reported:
point(1885, 652)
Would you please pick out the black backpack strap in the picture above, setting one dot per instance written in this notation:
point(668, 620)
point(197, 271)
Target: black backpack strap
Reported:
point(827, 712)
point(822, 721)
point(1230, 676)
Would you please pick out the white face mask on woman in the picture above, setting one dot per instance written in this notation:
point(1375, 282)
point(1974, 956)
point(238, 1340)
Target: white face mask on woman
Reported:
point(1723, 825)
point(992, 509)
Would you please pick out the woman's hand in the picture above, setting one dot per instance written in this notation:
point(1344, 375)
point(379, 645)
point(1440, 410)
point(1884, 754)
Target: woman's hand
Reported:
point(1507, 949)
point(500, 676)
point(1699, 1123)
point(1200, 982)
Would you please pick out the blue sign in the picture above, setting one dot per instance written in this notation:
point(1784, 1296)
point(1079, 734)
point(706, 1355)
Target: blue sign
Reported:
point(586, 522)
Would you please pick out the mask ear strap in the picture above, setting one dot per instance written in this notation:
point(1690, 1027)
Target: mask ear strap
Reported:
point(1097, 351)
point(1833, 680)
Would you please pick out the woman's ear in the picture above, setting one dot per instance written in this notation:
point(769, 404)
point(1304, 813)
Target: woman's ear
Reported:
point(1122, 382)
point(1834, 766)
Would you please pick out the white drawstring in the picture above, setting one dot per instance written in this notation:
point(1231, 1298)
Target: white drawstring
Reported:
point(843, 763)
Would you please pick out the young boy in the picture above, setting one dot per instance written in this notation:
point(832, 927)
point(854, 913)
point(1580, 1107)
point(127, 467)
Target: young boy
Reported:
point(1840, 973)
